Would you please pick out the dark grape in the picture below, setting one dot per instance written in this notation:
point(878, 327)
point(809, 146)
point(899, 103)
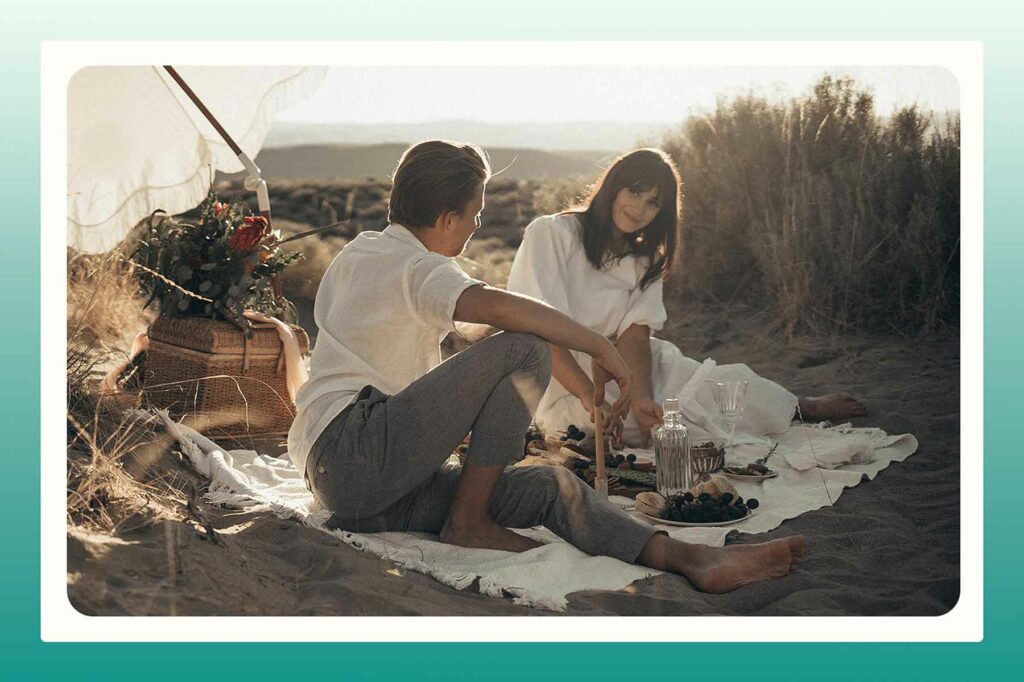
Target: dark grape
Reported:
point(752, 503)
point(687, 497)
point(703, 496)
point(631, 458)
point(726, 497)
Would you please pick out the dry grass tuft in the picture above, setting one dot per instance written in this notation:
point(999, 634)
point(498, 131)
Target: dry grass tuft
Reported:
point(120, 472)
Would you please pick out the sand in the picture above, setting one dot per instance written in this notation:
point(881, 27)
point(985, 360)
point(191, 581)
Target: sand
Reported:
point(888, 547)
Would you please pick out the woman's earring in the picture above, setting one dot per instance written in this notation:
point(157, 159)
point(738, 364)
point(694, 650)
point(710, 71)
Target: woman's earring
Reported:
point(639, 238)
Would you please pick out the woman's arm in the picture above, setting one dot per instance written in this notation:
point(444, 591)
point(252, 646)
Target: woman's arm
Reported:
point(634, 345)
point(569, 373)
point(513, 312)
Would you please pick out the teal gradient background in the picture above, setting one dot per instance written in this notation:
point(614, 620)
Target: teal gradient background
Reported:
point(23, 27)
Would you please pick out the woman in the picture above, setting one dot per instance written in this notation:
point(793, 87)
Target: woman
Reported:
point(604, 264)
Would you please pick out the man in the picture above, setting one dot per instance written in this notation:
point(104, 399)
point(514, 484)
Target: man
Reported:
point(380, 413)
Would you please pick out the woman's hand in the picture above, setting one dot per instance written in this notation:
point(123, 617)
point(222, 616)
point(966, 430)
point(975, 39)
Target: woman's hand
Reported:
point(612, 427)
point(647, 414)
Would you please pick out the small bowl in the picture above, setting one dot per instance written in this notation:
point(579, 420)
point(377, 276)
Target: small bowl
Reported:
point(706, 458)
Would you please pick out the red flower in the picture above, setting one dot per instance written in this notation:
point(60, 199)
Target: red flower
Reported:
point(218, 208)
point(249, 235)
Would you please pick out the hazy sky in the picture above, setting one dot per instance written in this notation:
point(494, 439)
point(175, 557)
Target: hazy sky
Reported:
point(409, 95)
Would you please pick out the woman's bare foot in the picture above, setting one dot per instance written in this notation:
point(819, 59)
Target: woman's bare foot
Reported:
point(485, 535)
point(832, 407)
point(723, 569)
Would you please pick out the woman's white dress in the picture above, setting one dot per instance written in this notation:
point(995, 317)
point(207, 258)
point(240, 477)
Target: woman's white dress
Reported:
point(551, 265)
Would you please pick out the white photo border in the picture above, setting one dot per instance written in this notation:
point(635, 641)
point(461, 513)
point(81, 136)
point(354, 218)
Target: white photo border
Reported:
point(60, 622)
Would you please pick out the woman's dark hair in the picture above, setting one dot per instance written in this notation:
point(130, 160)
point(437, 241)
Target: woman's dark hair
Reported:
point(639, 171)
point(433, 178)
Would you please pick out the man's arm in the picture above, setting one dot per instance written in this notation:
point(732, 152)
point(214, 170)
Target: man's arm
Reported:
point(514, 312)
point(517, 313)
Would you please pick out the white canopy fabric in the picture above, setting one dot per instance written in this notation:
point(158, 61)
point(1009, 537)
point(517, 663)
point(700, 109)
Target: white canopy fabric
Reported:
point(136, 143)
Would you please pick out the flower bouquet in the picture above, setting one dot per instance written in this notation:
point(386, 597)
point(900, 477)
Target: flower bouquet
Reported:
point(219, 266)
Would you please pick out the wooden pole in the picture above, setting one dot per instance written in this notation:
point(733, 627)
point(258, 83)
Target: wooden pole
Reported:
point(601, 480)
point(265, 212)
point(202, 108)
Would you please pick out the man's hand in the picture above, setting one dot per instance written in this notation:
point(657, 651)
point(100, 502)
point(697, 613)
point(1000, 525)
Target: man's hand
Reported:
point(647, 414)
point(612, 427)
point(609, 366)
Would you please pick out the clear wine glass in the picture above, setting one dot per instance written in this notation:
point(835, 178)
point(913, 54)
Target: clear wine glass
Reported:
point(730, 396)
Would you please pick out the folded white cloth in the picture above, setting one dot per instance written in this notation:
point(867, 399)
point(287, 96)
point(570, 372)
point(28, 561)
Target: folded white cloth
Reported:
point(827, 449)
point(545, 576)
point(690, 407)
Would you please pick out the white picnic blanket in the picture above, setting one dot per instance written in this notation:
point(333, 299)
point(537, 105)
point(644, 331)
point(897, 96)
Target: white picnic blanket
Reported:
point(545, 576)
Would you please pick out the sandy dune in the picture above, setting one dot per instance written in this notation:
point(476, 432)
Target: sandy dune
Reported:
point(889, 547)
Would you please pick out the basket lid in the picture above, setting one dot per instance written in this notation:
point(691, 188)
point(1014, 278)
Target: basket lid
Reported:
point(219, 336)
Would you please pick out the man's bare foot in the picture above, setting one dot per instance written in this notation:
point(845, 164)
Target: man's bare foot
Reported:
point(723, 569)
point(485, 535)
point(832, 407)
point(796, 552)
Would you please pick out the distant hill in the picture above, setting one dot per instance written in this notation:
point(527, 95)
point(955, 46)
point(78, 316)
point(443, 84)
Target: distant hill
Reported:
point(591, 136)
point(324, 162)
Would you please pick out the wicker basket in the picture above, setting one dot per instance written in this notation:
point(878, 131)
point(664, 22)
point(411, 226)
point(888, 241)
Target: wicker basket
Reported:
point(219, 380)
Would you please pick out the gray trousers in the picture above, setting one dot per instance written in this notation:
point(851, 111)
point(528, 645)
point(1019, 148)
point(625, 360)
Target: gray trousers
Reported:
point(378, 466)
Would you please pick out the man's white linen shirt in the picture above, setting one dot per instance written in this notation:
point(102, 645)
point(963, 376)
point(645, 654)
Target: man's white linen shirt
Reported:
point(383, 307)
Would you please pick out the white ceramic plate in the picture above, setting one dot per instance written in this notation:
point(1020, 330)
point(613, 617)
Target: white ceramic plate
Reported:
point(753, 479)
point(710, 524)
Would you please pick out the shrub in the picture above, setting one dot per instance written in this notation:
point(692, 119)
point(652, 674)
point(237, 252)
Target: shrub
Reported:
point(821, 211)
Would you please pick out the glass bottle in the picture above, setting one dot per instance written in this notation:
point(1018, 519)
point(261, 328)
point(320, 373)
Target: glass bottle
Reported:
point(672, 452)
